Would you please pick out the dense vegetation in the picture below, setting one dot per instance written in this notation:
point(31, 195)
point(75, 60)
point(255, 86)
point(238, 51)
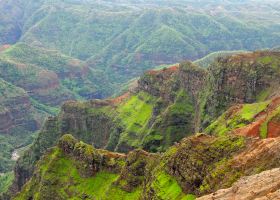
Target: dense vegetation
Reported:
point(54, 51)
point(169, 104)
point(121, 40)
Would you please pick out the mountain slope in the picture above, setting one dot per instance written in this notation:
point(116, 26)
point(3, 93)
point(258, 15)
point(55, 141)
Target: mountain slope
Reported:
point(134, 120)
point(33, 84)
point(260, 186)
point(121, 40)
point(165, 106)
point(197, 165)
point(64, 50)
point(241, 78)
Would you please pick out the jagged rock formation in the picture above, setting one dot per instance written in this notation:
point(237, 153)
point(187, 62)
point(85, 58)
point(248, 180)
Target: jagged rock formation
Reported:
point(168, 105)
point(241, 78)
point(146, 118)
point(197, 165)
point(263, 186)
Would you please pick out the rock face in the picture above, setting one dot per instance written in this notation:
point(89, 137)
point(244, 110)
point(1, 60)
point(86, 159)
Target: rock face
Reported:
point(263, 186)
point(152, 117)
point(241, 78)
point(197, 165)
point(16, 110)
point(168, 105)
point(255, 120)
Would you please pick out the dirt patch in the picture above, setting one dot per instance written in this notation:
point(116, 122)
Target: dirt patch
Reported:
point(120, 99)
point(251, 130)
point(273, 129)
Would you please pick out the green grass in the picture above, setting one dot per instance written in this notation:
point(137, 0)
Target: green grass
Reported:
point(45, 108)
point(263, 95)
point(135, 112)
point(239, 119)
point(167, 188)
point(273, 61)
point(249, 111)
point(68, 183)
point(264, 126)
point(134, 115)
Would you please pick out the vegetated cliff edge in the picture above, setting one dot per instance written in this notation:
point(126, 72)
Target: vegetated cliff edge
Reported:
point(196, 166)
point(166, 106)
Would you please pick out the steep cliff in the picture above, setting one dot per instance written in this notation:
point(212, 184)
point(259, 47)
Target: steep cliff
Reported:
point(197, 165)
point(18, 119)
point(241, 78)
point(169, 104)
point(262, 186)
point(161, 110)
point(257, 120)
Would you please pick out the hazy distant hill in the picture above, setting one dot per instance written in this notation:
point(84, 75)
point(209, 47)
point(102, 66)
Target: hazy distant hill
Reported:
point(122, 39)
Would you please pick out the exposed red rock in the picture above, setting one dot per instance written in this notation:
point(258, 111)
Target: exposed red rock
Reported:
point(120, 99)
point(273, 127)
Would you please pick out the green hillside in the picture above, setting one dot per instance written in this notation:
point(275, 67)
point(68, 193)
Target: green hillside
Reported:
point(120, 41)
point(104, 72)
point(164, 108)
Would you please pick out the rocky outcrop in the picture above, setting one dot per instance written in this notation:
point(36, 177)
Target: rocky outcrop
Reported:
point(16, 110)
point(263, 186)
point(84, 119)
point(164, 107)
point(241, 78)
point(137, 166)
point(197, 157)
point(91, 160)
point(197, 165)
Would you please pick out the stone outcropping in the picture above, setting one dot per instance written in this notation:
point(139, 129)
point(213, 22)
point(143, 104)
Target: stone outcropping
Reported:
point(197, 165)
point(173, 103)
point(241, 78)
point(263, 186)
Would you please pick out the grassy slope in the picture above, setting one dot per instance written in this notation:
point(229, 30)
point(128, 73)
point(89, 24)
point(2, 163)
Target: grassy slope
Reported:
point(241, 118)
point(58, 170)
point(62, 170)
point(134, 115)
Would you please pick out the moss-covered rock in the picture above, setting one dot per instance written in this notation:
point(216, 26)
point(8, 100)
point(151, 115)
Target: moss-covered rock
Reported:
point(240, 78)
point(165, 106)
point(196, 166)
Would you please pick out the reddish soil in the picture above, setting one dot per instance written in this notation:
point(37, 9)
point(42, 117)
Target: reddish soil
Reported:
point(115, 155)
point(4, 47)
point(253, 129)
point(165, 70)
point(273, 129)
point(120, 99)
